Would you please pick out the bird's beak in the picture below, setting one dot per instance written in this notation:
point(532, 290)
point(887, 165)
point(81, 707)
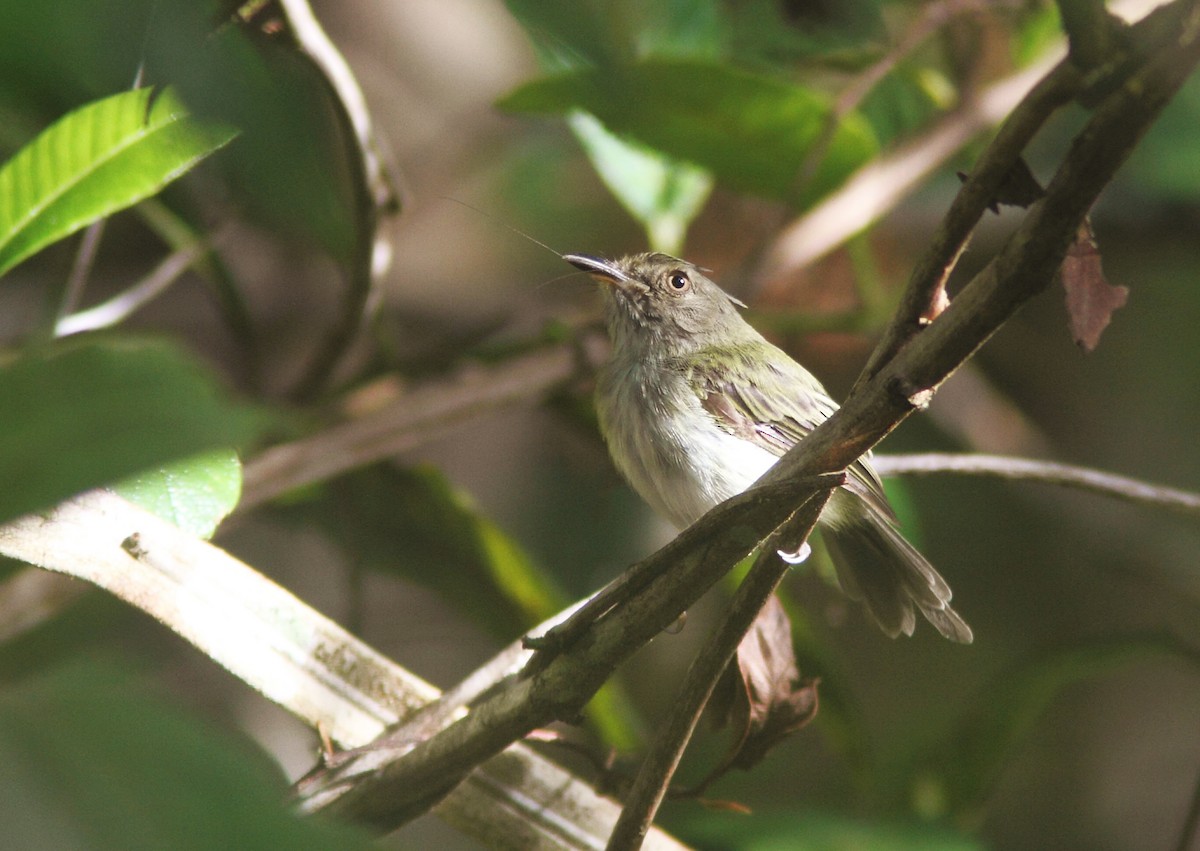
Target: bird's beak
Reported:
point(604, 271)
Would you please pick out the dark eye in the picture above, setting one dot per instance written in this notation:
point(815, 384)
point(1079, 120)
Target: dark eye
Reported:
point(679, 282)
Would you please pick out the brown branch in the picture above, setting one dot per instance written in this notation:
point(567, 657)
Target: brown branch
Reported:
point(877, 187)
point(657, 769)
point(1046, 472)
point(376, 196)
point(705, 551)
point(1091, 31)
point(412, 419)
point(685, 568)
point(1054, 90)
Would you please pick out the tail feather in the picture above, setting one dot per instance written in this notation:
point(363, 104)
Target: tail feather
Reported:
point(877, 566)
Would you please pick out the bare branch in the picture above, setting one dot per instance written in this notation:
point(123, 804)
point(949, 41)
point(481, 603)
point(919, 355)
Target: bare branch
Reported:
point(122, 306)
point(1091, 31)
point(707, 549)
point(878, 186)
point(301, 660)
point(559, 688)
point(377, 195)
point(654, 776)
point(408, 421)
point(1046, 472)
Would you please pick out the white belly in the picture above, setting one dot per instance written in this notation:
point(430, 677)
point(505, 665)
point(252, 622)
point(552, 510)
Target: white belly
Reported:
point(679, 461)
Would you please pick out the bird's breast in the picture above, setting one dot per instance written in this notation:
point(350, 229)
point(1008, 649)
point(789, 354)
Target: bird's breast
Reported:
point(667, 446)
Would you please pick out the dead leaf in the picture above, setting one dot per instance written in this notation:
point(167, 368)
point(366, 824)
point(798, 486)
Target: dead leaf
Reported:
point(765, 697)
point(1019, 188)
point(1091, 300)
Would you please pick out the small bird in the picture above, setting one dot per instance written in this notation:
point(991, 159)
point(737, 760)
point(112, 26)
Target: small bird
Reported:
point(695, 405)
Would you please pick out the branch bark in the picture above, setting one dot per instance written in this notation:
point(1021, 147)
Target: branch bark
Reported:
point(1047, 472)
point(301, 660)
point(902, 384)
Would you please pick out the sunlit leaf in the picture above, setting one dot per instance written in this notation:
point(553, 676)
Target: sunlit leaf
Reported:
point(662, 194)
point(195, 494)
point(81, 415)
point(99, 159)
point(754, 132)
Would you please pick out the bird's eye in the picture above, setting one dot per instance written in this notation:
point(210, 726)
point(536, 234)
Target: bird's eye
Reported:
point(679, 282)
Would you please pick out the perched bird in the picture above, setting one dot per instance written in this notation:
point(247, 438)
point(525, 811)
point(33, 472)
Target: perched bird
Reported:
point(695, 405)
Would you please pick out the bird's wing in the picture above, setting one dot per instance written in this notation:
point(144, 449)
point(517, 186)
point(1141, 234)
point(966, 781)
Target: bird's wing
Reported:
point(721, 380)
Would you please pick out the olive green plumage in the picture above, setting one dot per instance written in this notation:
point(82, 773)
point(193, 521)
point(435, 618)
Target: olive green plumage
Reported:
point(696, 405)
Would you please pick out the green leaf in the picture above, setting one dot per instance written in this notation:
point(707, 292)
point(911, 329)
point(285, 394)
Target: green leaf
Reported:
point(88, 759)
point(756, 133)
point(660, 193)
point(415, 524)
point(99, 159)
point(195, 494)
point(80, 415)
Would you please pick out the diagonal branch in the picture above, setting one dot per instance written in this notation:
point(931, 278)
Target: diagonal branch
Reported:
point(1026, 265)
point(301, 660)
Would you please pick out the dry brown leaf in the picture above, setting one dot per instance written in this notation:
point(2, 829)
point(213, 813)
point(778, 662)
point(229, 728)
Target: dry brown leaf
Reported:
point(1091, 300)
point(769, 698)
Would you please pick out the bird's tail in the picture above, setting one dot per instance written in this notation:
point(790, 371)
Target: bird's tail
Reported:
point(877, 566)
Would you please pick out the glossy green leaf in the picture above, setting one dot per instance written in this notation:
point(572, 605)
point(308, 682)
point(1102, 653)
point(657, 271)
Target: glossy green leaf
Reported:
point(754, 132)
point(195, 494)
point(88, 759)
point(81, 415)
point(660, 193)
point(99, 159)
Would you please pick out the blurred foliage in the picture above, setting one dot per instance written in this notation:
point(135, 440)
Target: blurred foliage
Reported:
point(83, 414)
point(712, 121)
point(90, 760)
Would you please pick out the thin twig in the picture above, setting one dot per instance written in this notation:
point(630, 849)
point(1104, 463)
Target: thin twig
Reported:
point(932, 18)
point(559, 689)
point(1047, 472)
point(122, 306)
point(876, 188)
point(413, 418)
point(654, 776)
point(978, 192)
point(81, 270)
point(377, 196)
point(1090, 31)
